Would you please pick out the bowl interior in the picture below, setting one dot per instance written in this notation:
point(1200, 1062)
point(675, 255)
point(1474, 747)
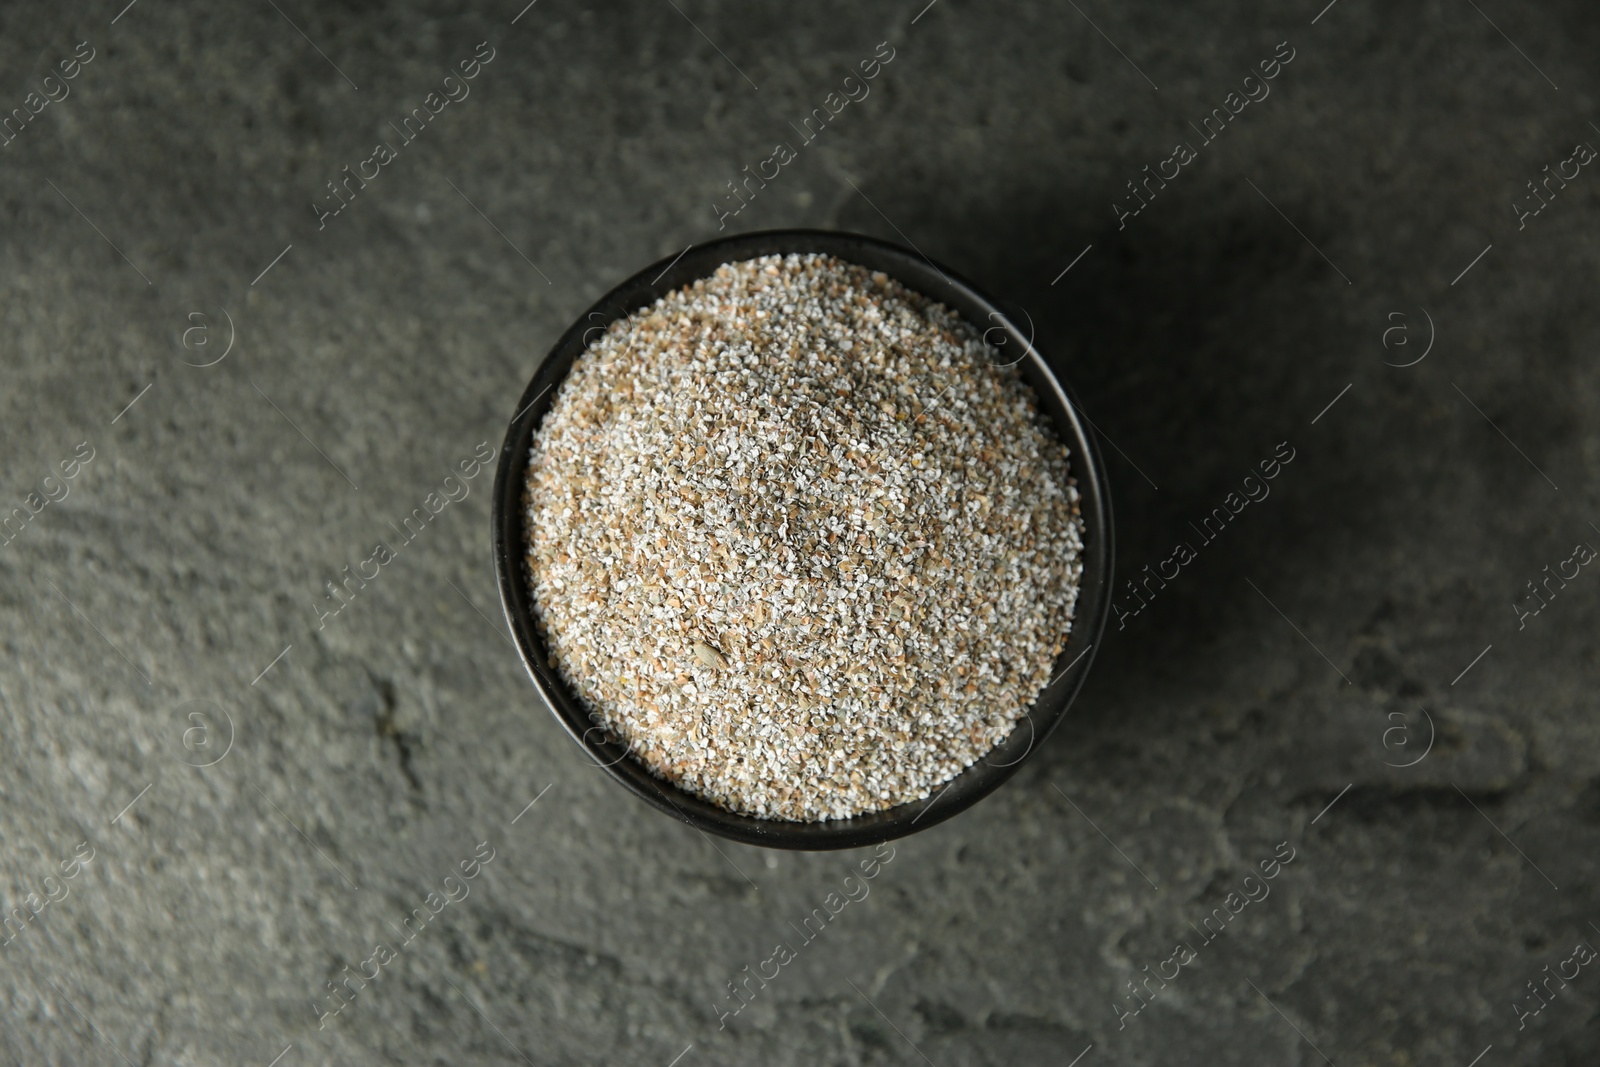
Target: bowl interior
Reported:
point(916, 273)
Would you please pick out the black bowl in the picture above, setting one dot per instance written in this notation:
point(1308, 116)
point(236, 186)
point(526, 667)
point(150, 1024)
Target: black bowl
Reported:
point(915, 272)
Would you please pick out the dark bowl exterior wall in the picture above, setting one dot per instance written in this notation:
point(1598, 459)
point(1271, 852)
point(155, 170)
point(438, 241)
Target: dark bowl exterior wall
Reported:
point(917, 273)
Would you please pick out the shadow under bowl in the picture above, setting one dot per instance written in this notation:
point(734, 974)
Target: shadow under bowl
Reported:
point(1055, 401)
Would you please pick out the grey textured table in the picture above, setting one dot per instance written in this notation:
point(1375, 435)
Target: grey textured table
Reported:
point(1347, 669)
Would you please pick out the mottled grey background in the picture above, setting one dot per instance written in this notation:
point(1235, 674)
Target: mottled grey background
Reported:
point(1224, 719)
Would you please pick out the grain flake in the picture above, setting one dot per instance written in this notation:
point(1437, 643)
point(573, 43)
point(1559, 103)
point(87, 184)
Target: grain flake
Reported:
point(797, 539)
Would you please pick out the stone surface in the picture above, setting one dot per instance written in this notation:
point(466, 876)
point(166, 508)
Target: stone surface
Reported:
point(373, 757)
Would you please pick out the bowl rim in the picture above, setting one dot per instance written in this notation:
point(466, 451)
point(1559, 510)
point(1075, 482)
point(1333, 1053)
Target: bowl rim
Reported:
point(1056, 404)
